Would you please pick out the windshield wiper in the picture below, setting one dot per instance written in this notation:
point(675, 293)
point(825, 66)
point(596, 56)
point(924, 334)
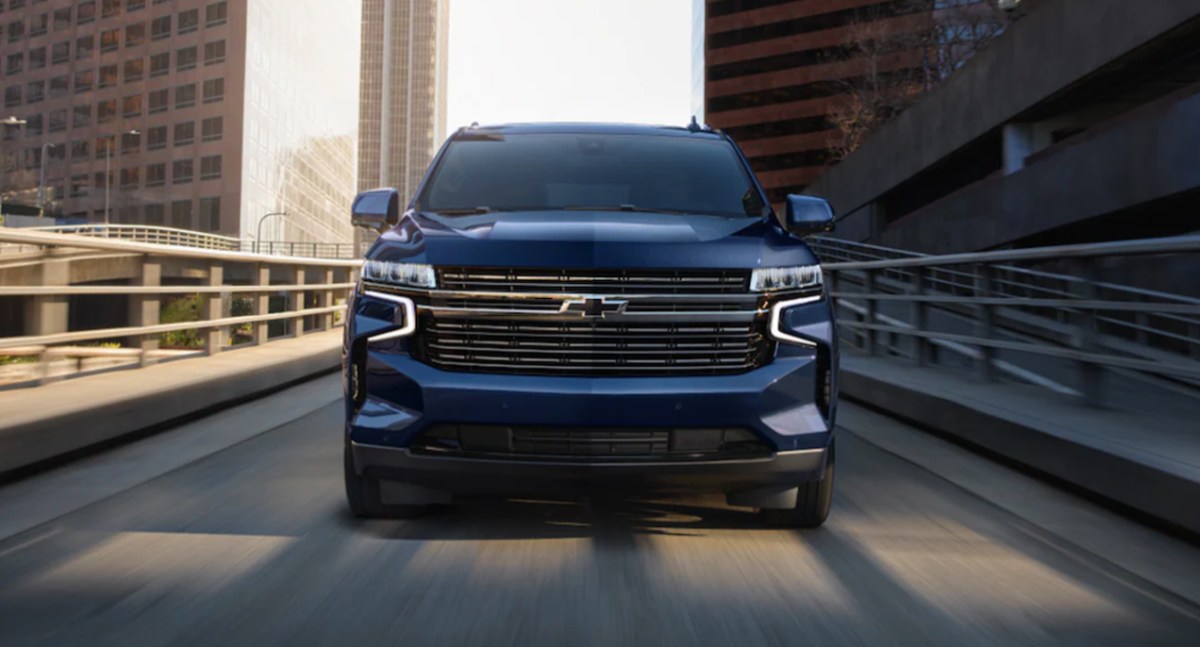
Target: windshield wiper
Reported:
point(461, 212)
point(627, 207)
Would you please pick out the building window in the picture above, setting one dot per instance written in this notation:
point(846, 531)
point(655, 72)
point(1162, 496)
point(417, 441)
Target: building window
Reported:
point(182, 171)
point(62, 19)
point(33, 125)
point(210, 167)
point(134, 70)
point(132, 106)
point(160, 28)
point(134, 5)
point(58, 120)
point(189, 21)
point(160, 64)
point(185, 59)
point(214, 52)
point(84, 81)
point(185, 133)
point(60, 53)
point(16, 30)
point(37, 58)
point(156, 175)
point(83, 116)
point(131, 178)
point(86, 12)
point(212, 129)
point(79, 186)
point(84, 47)
point(39, 25)
point(215, 14)
point(156, 138)
point(108, 75)
point(181, 214)
point(104, 146)
point(110, 40)
point(185, 96)
point(12, 96)
point(106, 111)
point(210, 213)
point(214, 90)
point(80, 149)
point(16, 63)
point(159, 100)
point(36, 91)
point(59, 86)
point(154, 212)
point(135, 34)
point(110, 8)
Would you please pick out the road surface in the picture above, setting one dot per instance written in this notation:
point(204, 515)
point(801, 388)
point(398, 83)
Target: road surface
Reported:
point(252, 545)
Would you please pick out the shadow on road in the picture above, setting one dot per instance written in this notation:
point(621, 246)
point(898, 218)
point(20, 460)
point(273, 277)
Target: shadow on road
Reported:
point(595, 517)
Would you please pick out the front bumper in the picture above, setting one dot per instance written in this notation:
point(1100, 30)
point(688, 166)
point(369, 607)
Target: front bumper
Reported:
point(751, 478)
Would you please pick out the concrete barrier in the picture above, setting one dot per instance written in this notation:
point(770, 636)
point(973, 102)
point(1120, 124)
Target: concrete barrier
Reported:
point(45, 425)
point(1123, 457)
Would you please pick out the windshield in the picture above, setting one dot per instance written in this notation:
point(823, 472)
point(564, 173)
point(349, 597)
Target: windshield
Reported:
point(521, 172)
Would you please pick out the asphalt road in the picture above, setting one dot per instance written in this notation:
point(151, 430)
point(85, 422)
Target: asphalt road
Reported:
point(252, 545)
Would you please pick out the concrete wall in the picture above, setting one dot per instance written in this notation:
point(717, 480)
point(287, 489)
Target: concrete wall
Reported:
point(1056, 43)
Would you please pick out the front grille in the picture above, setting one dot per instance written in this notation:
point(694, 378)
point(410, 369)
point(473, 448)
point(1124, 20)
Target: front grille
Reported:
point(594, 281)
point(534, 347)
point(590, 443)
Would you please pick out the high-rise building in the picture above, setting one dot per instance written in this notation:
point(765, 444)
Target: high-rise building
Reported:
point(798, 82)
point(403, 95)
point(209, 114)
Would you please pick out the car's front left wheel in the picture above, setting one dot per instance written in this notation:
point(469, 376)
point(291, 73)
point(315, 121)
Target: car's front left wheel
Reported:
point(363, 497)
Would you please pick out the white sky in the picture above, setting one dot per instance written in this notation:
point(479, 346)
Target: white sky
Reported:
point(570, 60)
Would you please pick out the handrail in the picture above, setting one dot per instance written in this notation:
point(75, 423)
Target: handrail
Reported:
point(1095, 325)
point(159, 235)
point(23, 237)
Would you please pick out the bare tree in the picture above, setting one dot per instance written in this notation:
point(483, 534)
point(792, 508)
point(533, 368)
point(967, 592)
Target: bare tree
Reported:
point(896, 52)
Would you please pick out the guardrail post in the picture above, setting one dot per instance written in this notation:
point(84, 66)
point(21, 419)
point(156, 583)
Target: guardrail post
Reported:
point(920, 313)
point(262, 302)
point(297, 300)
point(986, 325)
point(872, 316)
point(215, 309)
point(1091, 374)
point(48, 315)
point(327, 301)
point(144, 309)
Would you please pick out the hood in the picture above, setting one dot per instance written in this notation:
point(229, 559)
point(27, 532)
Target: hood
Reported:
point(590, 239)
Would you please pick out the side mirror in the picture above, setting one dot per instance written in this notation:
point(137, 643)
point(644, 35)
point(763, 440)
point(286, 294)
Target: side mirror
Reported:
point(377, 209)
point(807, 215)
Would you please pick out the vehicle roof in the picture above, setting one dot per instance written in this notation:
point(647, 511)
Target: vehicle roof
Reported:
point(588, 127)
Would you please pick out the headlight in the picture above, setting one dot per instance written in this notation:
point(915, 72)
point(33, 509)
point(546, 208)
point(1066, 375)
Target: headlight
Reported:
point(774, 279)
point(416, 275)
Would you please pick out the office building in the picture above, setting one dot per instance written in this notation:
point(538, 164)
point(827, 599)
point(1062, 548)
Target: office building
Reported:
point(209, 114)
point(403, 93)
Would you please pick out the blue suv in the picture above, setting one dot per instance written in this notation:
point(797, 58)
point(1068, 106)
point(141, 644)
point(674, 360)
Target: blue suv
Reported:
point(573, 308)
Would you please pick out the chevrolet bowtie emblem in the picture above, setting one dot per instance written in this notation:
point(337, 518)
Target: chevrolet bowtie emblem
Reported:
point(593, 307)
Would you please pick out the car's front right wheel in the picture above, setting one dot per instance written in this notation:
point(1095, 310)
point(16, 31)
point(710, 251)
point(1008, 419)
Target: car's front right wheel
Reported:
point(812, 502)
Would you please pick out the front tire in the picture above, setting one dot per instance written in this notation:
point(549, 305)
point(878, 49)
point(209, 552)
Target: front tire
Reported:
point(812, 502)
point(362, 495)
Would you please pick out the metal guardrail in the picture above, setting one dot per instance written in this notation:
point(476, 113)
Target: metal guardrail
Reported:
point(886, 298)
point(309, 295)
point(156, 235)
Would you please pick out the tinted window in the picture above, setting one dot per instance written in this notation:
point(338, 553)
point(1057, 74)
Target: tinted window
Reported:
point(555, 171)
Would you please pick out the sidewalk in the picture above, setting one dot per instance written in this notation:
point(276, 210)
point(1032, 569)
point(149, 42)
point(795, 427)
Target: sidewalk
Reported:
point(44, 423)
point(1148, 460)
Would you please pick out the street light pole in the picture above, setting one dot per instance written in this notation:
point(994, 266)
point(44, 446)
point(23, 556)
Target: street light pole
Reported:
point(258, 229)
point(112, 140)
point(11, 122)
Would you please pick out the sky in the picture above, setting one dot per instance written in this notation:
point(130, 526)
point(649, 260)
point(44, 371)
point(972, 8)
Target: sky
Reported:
point(570, 60)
